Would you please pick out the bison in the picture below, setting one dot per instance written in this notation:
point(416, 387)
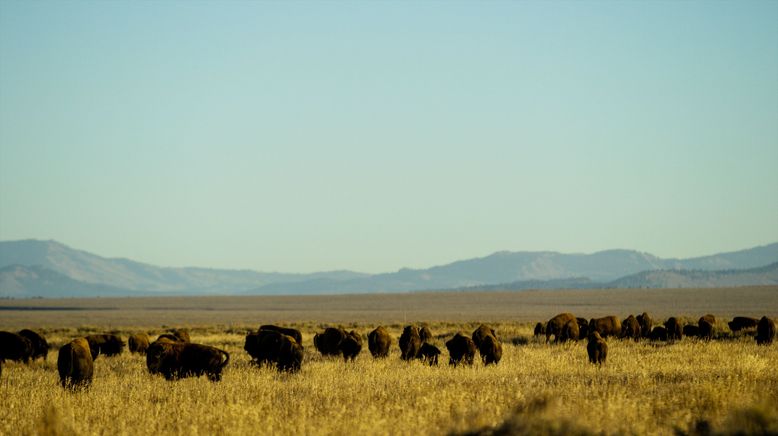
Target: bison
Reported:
point(691, 330)
point(379, 342)
point(410, 342)
point(287, 331)
point(570, 331)
point(583, 328)
point(181, 334)
point(328, 343)
point(765, 331)
point(540, 329)
point(674, 329)
point(461, 349)
point(490, 349)
point(597, 348)
point(646, 323)
point(481, 333)
point(75, 364)
point(109, 345)
point(270, 346)
point(15, 347)
point(706, 326)
point(176, 360)
point(428, 353)
point(630, 328)
point(40, 348)
point(555, 324)
point(138, 343)
point(425, 334)
point(351, 345)
point(739, 323)
point(658, 333)
point(606, 326)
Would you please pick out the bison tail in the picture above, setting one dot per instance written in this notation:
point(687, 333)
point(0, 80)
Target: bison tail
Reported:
point(226, 359)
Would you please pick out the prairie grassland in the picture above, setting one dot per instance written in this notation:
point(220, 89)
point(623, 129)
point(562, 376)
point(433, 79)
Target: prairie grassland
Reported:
point(645, 388)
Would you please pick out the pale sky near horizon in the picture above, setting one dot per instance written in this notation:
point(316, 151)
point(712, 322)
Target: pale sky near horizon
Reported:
point(308, 136)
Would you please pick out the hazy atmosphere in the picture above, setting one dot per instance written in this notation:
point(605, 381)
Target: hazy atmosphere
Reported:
point(312, 136)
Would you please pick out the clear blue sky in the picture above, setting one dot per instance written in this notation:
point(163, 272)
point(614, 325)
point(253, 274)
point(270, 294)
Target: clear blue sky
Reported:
point(303, 136)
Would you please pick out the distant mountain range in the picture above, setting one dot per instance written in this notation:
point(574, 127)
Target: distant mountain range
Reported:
point(32, 268)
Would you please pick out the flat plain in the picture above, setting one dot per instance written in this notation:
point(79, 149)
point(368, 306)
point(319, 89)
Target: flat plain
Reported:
point(724, 386)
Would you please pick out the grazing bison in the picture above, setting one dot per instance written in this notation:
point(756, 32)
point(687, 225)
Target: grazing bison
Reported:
point(674, 329)
point(570, 331)
point(691, 330)
point(287, 331)
point(109, 345)
point(540, 329)
point(138, 343)
point(461, 349)
point(739, 323)
point(606, 326)
point(481, 333)
point(351, 345)
point(555, 324)
point(270, 346)
point(75, 364)
point(40, 348)
point(428, 353)
point(765, 331)
point(15, 347)
point(583, 328)
point(379, 342)
point(646, 324)
point(410, 342)
point(630, 328)
point(706, 326)
point(176, 360)
point(659, 333)
point(597, 348)
point(490, 349)
point(425, 334)
point(328, 343)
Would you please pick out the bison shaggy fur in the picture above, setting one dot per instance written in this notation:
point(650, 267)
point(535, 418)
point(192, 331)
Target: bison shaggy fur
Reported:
point(461, 349)
point(490, 349)
point(706, 325)
point(379, 342)
point(410, 342)
point(108, 345)
point(328, 342)
point(425, 334)
point(583, 328)
point(555, 324)
point(739, 323)
point(674, 329)
point(630, 328)
point(15, 347)
point(138, 343)
point(351, 345)
point(765, 331)
point(270, 346)
point(605, 326)
point(570, 331)
point(691, 330)
point(658, 333)
point(176, 360)
point(287, 331)
point(428, 353)
point(540, 329)
point(75, 364)
point(40, 348)
point(597, 348)
point(646, 324)
point(481, 333)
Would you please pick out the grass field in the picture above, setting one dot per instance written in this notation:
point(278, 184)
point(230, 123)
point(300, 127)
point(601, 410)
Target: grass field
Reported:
point(725, 386)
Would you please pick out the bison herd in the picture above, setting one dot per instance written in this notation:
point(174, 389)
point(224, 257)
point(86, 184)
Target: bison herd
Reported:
point(174, 356)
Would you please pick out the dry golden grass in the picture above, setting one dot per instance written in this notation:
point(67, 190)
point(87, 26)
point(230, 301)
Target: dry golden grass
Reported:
point(645, 388)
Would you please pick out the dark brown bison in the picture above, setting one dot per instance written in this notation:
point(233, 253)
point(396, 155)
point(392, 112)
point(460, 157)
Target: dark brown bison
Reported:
point(410, 342)
point(605, 326)
point(570, 331)
point(739, 323)
point(287, 331)
point(597, 348)
point(138, 343)
point(691, 330)
point(490, 349)
point(540, 329)
point(15, 347)
point(646, 324)
point(75, 364)
point(428, 353)
point(176, 360)
point(765, 331)
point(706, 326)
point(379, 342)
point(270, 346)
point(674, 329)
point(481, 333)
point(328, 343)
point(658, 333)
point(425, 334)
point(583, 328)
point(40, 348)
point(555, 324)
point(630, 328)
point(461, 349)
point(108, 345)
point(351, 345)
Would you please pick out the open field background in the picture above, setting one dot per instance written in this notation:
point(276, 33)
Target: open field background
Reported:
point(524, 306)
point(726, 385)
